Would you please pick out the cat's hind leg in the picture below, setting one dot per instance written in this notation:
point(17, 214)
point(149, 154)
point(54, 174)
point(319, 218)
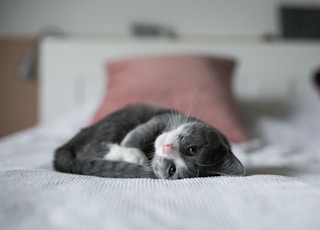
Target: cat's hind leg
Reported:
point(66, 161)
point(127, 154)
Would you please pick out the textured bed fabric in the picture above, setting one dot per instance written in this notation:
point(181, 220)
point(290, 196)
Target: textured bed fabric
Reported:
point(36, 199)
point(281, 190)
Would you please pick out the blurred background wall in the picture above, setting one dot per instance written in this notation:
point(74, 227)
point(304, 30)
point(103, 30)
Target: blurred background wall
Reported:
point(22, 20)
point(226, 17)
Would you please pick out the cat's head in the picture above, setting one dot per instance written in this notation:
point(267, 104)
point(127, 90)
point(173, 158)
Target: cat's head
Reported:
point(194, 149)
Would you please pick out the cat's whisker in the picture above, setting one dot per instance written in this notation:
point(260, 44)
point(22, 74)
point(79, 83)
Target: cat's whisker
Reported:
point(175, 119)
point(176, 105)
point(185, 120)
point(182, 119)
point(171, 120)
point(190, 103)
point(189, 108)
point(199, 113)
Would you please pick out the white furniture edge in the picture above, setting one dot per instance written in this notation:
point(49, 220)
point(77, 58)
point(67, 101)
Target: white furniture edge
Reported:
point(72, 70)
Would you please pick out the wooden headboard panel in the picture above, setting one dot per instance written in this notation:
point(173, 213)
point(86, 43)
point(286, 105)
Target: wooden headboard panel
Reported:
point(18, 100)
point(72, 69)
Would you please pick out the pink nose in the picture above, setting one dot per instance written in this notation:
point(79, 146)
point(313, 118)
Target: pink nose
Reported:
point(167, 148)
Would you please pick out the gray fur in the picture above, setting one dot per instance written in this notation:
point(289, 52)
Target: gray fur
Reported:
point(142, 127)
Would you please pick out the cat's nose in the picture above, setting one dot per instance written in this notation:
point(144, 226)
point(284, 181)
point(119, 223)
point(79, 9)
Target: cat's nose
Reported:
point(167, 148)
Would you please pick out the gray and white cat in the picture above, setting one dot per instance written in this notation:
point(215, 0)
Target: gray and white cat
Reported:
point(145, 141)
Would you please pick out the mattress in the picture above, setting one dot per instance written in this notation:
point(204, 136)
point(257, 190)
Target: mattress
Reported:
point(280, 191)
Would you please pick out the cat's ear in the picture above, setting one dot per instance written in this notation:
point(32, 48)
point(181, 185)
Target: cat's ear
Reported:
point(231, 166)
point(222, 162)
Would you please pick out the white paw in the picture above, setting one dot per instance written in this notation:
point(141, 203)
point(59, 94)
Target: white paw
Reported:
point(120, 153)
point(134, 155)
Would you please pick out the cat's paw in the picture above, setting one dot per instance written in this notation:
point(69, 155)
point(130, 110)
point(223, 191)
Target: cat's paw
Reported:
point(120, 153)
point(134, 155)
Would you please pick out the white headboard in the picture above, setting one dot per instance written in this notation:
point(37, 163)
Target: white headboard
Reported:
point(72, 70)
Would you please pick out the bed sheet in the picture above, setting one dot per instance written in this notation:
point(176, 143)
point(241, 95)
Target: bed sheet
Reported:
point(281, 189)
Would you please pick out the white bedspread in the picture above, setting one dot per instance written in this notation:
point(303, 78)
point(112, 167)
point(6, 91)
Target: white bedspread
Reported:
point(281, 190)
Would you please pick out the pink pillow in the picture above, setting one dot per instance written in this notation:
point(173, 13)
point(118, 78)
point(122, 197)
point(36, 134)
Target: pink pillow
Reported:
point(194, 84)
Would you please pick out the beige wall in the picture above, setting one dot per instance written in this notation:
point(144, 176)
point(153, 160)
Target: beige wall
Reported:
point(213, 17)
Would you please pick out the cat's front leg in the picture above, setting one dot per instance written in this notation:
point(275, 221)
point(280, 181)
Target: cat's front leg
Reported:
point(142, 137)
point(127, 154)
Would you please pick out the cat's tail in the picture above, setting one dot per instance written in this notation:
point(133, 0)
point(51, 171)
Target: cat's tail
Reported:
point(65, 161)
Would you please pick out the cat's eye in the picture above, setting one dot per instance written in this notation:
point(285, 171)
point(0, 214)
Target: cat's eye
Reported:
point(193, 150)
point(172, 170)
